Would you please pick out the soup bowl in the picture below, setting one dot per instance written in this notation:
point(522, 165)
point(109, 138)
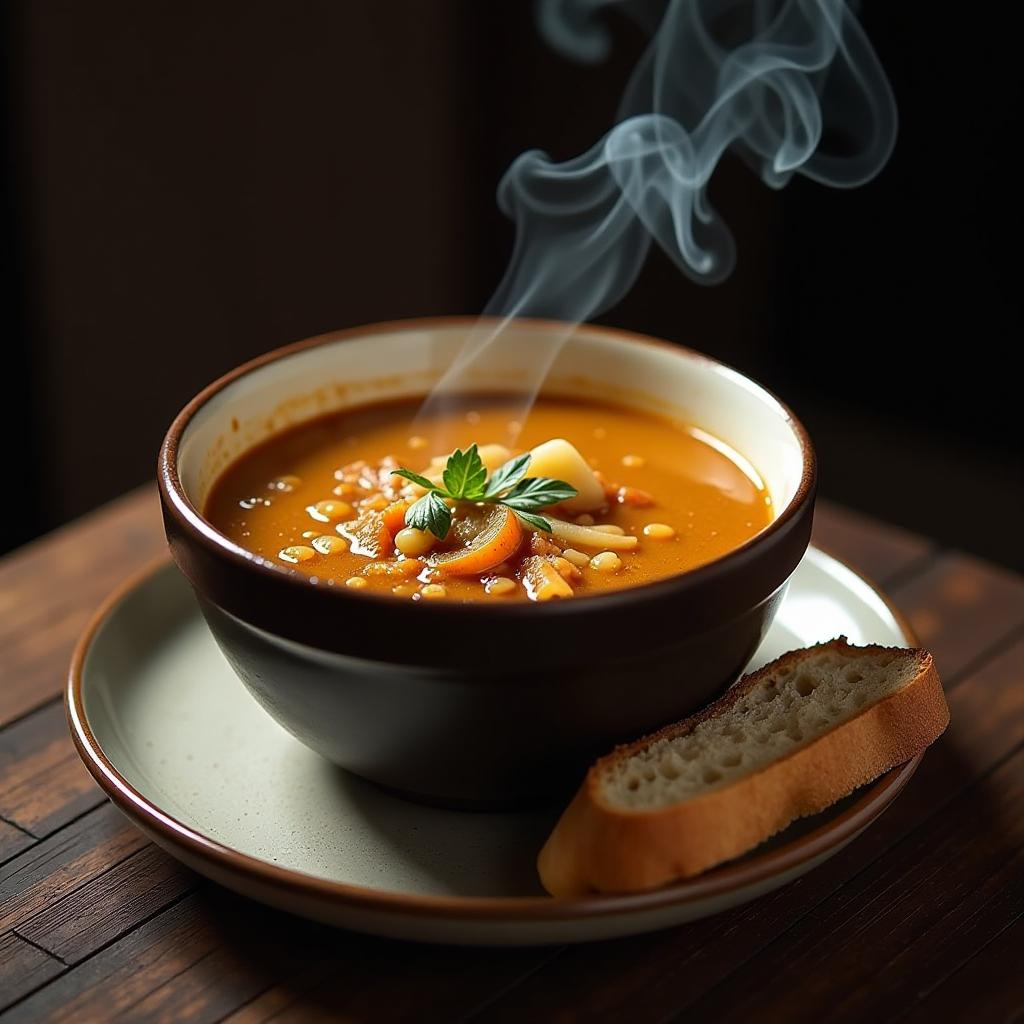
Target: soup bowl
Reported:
point(490, 703)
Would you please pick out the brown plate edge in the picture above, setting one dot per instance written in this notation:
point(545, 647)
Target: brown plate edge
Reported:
point(755, 869)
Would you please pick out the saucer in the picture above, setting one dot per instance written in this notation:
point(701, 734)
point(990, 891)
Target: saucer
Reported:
point(178, 744)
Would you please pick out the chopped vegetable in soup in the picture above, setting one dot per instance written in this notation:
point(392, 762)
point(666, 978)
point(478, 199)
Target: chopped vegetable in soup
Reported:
point(594, 497)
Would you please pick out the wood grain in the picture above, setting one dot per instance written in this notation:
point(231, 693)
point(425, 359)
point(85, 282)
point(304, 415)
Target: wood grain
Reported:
point(23, 968)
point(928, 960)
point(843, 960)
point(12, 840)
point(921, 915)
point(989, 987)
point(108, 905)
point(986, 719)
point(50, 588)
point(879, 550)
point(43, 783)
point(213, 953)
point(48, 871)
point(961, 608)
point(175, 967)
point(438, 983)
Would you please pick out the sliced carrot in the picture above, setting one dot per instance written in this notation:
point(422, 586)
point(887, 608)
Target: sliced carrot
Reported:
point(496, 541)
point(394, 516)
point(634, 496)
point(368, 535)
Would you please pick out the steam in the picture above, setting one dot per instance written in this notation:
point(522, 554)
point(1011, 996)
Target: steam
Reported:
point(791, 86)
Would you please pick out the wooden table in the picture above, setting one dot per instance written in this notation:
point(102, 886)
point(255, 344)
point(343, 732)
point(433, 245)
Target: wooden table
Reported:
point(920, 919)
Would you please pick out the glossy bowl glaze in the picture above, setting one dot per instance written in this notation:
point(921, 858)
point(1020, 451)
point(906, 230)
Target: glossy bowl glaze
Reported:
point(430, 698)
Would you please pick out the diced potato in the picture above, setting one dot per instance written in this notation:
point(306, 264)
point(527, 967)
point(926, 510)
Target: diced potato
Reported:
point(560, 460)
point(542, 580)
point(493, 456)
point(566, 569)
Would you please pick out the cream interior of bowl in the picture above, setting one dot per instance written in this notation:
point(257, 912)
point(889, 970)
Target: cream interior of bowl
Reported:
point(357, 370)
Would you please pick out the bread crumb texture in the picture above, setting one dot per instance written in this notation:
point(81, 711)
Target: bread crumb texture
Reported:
point(790, 707)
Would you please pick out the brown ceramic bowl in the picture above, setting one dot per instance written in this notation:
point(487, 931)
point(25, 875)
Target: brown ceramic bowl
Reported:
point(445, 714)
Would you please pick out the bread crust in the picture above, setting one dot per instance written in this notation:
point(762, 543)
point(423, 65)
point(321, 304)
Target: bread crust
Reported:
point(597, 845)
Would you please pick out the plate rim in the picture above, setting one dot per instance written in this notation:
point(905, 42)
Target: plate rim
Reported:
point(729, 878)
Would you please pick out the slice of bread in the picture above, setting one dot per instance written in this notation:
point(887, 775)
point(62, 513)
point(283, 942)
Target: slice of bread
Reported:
point(784, 742)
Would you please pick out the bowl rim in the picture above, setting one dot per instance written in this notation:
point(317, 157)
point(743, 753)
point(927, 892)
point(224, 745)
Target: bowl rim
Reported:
point(191, 520)
point(758, 866)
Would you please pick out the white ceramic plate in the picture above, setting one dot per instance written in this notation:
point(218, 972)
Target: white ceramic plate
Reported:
point(177, 742)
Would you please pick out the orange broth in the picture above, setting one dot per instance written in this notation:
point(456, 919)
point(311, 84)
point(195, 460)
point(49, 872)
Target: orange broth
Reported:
point(298, 499)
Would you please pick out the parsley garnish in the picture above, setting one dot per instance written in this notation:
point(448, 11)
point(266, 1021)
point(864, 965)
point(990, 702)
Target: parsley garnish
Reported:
point(465, 479)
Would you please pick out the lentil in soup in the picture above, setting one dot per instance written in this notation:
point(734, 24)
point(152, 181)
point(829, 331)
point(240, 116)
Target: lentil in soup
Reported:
point(653, 498)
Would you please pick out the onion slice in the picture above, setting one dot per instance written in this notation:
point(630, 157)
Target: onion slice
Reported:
point(587, 537)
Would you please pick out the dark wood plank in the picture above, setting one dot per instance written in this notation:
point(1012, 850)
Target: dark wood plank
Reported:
point(654, 976)
point(109, 905)
point(214, 953)
point(224, 948)
point(986, 717)
point(989, 988)
point(393, 982)
point(175, 967)
point(960, 607)
point(55, 867)
point(12, 841)
point(881, 551)
point(50, 588)
point(43, 783)
point(23, 968)
point(928, 960)
point(892, 916)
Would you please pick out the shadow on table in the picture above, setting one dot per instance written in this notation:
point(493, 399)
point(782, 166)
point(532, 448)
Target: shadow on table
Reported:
point(320, 972)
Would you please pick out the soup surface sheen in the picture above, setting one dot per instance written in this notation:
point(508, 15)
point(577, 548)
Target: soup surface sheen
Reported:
point(299, 499)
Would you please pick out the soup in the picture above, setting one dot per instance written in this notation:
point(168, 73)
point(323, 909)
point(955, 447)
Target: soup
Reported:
point(607, 498)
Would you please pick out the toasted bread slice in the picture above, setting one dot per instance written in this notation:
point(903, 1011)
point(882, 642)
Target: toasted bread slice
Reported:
point(784, 742)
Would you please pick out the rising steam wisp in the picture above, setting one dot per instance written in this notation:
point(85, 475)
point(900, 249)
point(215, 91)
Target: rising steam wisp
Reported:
point(768, 79)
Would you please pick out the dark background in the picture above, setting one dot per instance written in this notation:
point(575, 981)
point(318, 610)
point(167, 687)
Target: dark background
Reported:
point(187, 185)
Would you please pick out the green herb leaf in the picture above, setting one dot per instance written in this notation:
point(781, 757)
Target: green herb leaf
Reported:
point(465, 478)
point(537, 522)
point(408, 474)
point(430, 513)
point(465, 475)
point(538, 492)
point(507, 476)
